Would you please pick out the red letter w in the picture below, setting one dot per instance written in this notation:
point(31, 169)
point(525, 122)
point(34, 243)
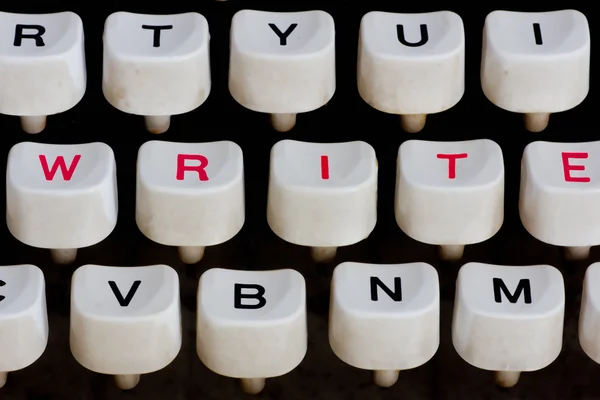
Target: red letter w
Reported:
point(67, 173)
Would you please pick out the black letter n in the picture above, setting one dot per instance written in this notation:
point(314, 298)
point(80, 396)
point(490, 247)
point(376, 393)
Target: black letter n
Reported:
point(258, 296)
point(37, 36)
point(524, 286)
point(395, 295)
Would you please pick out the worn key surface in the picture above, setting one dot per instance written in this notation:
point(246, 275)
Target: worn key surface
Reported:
point(56, 375)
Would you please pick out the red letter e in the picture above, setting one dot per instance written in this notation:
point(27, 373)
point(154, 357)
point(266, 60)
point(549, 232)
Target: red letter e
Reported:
point(567, 168)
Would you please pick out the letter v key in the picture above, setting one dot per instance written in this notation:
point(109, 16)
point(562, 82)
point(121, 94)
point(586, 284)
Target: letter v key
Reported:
point(124, 302)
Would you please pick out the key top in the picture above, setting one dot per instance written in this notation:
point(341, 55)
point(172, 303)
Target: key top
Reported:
point(559, 195)
point(322, 195)
point(125, 321)
point(450, 194)
point(536, 63)
point(251, 324)
point(508, 319)
point(156, 65)
point(23, 318)
point(42, 59)
point(61, 197)
point(411, 64)
point(384, 318)
point(190, 195)
point(282, 64)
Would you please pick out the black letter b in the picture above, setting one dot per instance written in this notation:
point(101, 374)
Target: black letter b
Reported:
point(258, 296)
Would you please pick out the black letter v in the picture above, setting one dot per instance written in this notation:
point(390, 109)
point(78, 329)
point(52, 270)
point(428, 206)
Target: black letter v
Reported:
point(124, 302)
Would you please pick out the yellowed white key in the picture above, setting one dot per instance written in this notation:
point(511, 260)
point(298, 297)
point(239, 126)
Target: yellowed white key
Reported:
point(125, 321)
point(384, 318)
point(251, 324)
point(508, 319)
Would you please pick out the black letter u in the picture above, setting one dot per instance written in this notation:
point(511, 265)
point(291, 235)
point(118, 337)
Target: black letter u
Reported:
point(402, 39)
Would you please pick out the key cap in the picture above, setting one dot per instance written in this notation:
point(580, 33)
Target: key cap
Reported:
point(411, 64)
point(61, 197)
point(536, 64)
point(190, 195)
point(384, 318)
point(589, 315)
point(322, 195)
point(42, 59)
point(125, 321)
point(508, 319)
point(23, 318)
point(560, 191)
point(251, 324)
point(156, 65)
point(450, 194)
point(282, 64)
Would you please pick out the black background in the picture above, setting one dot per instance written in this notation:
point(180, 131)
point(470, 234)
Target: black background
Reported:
point(56, 375)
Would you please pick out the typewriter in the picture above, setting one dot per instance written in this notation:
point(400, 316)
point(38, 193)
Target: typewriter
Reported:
point(316, 200)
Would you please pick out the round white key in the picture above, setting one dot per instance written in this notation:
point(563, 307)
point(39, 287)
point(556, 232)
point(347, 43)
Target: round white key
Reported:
point(508, 319)
point(282, 63)
point(536, 63)
point(190, 195)
point(156, 65)
point(411, 64)
point(450, 194)
point(322, 195)
point(384, 318)
point(42, 59)
point(251, 324)
point(561, 180)
point(125, 321)
point(23, 317)
point(61, 197)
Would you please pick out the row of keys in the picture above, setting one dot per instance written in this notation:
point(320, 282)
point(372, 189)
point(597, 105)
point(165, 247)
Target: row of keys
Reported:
point(283, 64)
point(126, 321)
point(320, 195)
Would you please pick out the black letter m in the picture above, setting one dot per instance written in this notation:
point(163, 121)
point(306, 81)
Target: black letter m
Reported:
point(524, 286)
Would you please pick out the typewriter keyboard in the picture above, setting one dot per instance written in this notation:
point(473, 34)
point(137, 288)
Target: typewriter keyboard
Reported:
point(326, 200)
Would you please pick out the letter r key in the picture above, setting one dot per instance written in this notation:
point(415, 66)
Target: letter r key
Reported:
point(190, 195)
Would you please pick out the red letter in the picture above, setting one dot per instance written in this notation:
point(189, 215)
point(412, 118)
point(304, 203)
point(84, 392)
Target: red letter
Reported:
point(182, 168)
point(67, 173)
point(452, 162)
point(324, 167)
point(567, 168)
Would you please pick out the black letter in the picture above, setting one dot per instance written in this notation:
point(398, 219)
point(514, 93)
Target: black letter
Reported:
point(395, 295)
point(19, 35)
point(2, 283)
point(124, 302)
point(238, 296)
point(537, 32)
point(523, 286)
point(157, 29)
point(283, 36)
point(402, 39)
